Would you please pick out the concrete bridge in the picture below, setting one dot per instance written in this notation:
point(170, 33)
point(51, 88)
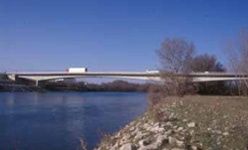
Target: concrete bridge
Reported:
point(36, 77)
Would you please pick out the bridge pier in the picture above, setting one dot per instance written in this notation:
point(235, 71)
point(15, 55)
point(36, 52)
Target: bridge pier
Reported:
point(36, 83)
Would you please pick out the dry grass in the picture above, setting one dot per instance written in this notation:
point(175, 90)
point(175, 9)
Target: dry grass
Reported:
point(222, 122)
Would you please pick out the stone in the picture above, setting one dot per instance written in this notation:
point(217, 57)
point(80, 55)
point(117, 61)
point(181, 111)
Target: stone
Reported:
point(145, 142)
point(146, 125)
point(138, 136)
point(157, 129)
point(169, 124)
point(218, 132)
point(168, 132)
point(191, 132)
point(132, 129)
point(156, 124)
point(185, 120)
point(127, 146)
point(172, 140)
point(172, 116)
point(225, 133)
point(175, 127)
point(114, 147)
point(191, 124)
point(194, 147)
point(180, 143)
point(161, 139)
point(179, 129)
point(177, 149)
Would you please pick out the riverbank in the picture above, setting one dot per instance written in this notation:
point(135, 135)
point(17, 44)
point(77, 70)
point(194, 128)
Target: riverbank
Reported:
point(13, 87)
point(191, 122)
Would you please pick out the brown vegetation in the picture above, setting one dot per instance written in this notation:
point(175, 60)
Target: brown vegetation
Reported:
point(221, 122)
point(209, 63)
point(238, 59)
point(175, 56)
point(206, 62)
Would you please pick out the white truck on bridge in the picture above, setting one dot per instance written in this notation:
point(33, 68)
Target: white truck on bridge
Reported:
point(77, 70)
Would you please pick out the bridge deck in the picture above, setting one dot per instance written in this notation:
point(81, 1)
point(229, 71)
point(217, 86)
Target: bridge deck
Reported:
point(137, 74)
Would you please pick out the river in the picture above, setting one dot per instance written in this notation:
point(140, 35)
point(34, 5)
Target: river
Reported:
point(57, 120)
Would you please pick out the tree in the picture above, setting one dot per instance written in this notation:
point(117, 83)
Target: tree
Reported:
point(206, 62)
point(238, 59)
point(175, 57)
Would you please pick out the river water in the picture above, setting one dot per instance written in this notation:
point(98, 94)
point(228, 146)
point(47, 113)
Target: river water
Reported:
point(58, 120)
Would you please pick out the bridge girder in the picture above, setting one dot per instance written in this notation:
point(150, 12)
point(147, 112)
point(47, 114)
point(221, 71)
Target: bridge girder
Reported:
point(47, 78)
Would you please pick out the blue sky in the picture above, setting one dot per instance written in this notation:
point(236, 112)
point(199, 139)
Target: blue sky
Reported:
point(111, 34)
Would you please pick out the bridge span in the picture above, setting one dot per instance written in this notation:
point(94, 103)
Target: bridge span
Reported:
point(36, 77)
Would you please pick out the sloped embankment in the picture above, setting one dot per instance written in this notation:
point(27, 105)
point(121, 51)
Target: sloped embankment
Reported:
point(193, 122)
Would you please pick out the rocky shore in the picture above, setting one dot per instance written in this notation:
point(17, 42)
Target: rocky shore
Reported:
point(182, 124)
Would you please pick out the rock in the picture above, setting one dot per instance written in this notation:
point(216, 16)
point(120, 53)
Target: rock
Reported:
point(177, 149)
point(168, 132)
point(118, 134)
point(191, 124)
point(225, 133)
point(172, 140)
point(180, 143)
point(175, 127)
point(191, 132)
point(148, 145)
point(127, 146)
point(145, 142)
point(139, 135)
point(168, 124)
point(124, 139)
point(194, 147)
point(146, 125)
point(156, 124)
point(172, 116)
point(161, 139)
point(132, 129)
point(218, 132)
point(179, 129)
point(114, 147)
point(157, 129)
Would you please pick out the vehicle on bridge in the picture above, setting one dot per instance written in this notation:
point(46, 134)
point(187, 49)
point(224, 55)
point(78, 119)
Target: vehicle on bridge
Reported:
point(77, 70)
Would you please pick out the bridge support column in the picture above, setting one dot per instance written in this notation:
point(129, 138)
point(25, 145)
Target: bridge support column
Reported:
point(36, 82)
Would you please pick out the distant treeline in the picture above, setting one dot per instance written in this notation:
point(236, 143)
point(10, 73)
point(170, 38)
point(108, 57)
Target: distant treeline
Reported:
point(117, 85)
point(203, 88)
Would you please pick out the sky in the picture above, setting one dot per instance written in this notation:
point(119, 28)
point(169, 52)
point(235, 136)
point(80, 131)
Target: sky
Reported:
point(111, 35)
